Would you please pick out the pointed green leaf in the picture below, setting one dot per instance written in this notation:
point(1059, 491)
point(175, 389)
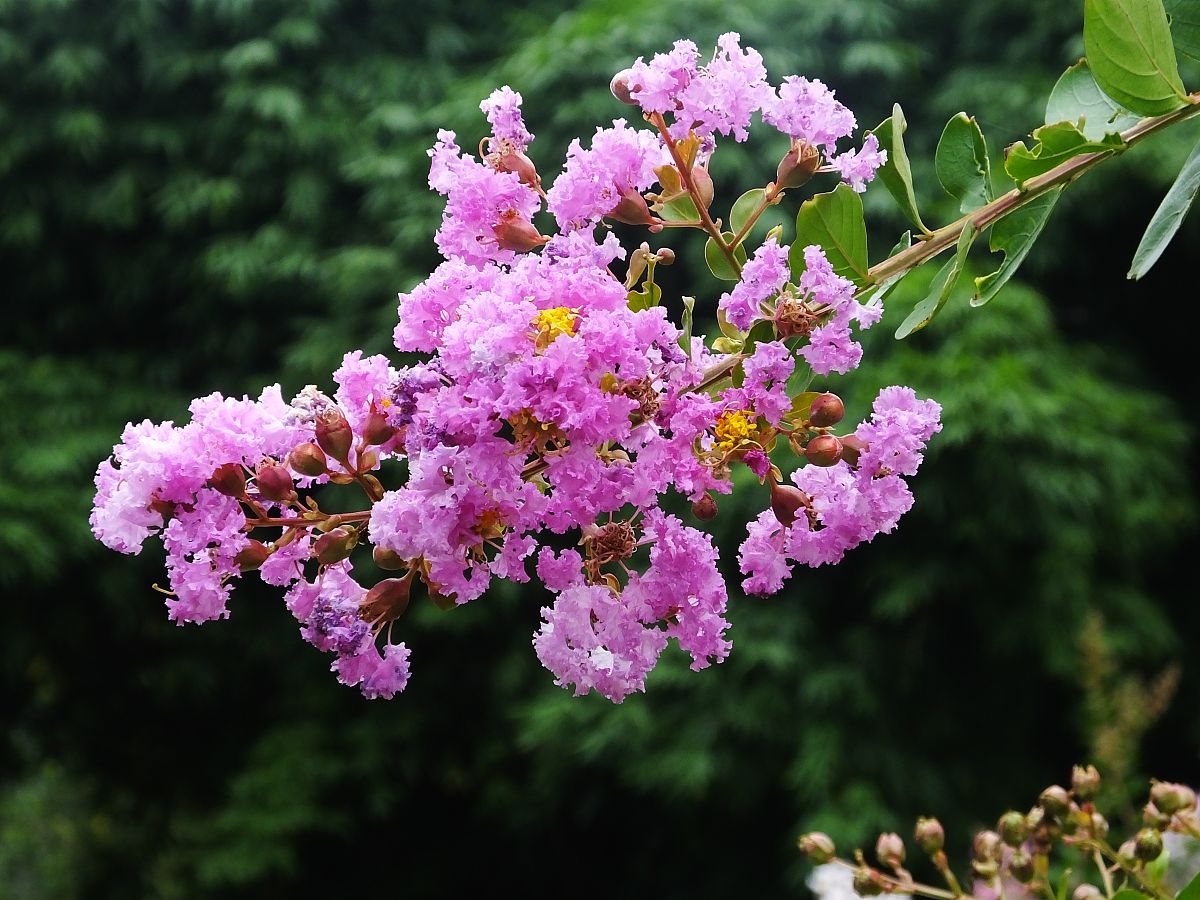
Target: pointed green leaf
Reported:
point(1185, 25)
point(743, 208)
point(761, 331)
point(649, 296)
point(685, 339)
point(717, 262)
point(1014, 235)
point(942, 287)
point(1168, 217)
point(834, 221)
point(1052, 146)
point(896, 174)
point(962, 165)
point(681, 209)
point(1129, 50)
point(728, 329)
point(1077, 98)
point(1192, 891)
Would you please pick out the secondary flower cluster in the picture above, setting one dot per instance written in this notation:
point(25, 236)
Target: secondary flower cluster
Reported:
point(558, 409)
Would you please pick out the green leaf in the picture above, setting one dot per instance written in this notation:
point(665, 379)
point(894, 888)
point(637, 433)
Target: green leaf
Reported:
point(1168, 217)
point(1129, 49)
point(685, 339)
point(1129, 894)
point(1156, 869)
point(962, 165)
point(681, 209)
point(942, 287)
point(728, 329)
point(645, 298)
point(1185, 25)
point(1192, 891)
point(718, 264)
point(1077, 98)
point(896, 174)
point(1014, 235)
point(760, 331)
point(1054, 145)
point(744, 207)
point(802, 404)
point(834, 221)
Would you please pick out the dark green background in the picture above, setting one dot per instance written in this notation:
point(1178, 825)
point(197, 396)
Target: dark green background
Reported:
point(202, 195)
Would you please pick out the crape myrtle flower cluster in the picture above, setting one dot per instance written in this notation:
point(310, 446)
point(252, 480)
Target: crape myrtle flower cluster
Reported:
point(557, 408)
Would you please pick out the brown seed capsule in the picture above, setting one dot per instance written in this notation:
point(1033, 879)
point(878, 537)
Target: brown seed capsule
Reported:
point(518, 164)
point(1085, 781)
point(1011, 828)
point(275, 483)
point(666, 256)
point(1055, 801)
point(631, 209)
point(229, 480)
point(889, 850)
point(826, 410)
point(388, 560)
point(797, 166)
point(334, 434)
point(335, 545)
point(852, 448)
point(705, 509)
point(787, 501)
point(823, 450)
point(308, 459)
point(377, 429)
point(621, 86)
point(1148, 845)
point(930, 835)
point(253, 555)
point(817, 846)
point(1172, 798)
point(387, 600)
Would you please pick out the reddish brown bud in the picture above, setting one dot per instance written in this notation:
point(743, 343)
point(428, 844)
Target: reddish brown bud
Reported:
point(1055, 801)
point(852, 447)
point(334, 434)
point(274, 483)
point(665, 256)
point(336, 545)
point(787, 501)
point(252, 556)
point(823, 450)
point(1085, 781)
point(632, 209)
point(704, 185)
point(377, 429)
point(826, 410)
point(867, 882)
point(308, 459)
point(930, 835)
point(1172, 798)
point(229, 480)
point(797, 166)
point(889, 850)
point(817, 846)
point(1148, 845)
point(514, 233)
point(386, 559)
point(705, 509)
point(386, 601)
point(520, 165)
point(621, 86)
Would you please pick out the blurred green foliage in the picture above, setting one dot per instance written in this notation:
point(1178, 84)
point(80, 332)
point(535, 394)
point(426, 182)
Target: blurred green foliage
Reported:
point(204, 195)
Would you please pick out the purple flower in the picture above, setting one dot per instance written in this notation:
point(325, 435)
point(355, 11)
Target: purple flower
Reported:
point(763, 276)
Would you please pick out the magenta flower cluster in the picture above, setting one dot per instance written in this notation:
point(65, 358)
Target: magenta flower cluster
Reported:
point(557, 410)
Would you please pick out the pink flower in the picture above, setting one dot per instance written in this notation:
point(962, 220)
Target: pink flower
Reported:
point(763, 276)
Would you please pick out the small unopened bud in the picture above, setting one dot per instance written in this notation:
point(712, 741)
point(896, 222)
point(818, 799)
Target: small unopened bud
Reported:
point(517, 234)
point(229, 480)
point(335, 545)
point(1055, 801)
point(1086, 892)
point(889, 850)
point(520, 165)
point(621, 86)
point(308, 459)
point(334, 434)
point(1020, 866)
point(704, 185)
point(666, 256)
point(987, 846)
point(852, 448)
point(1012, 828)
point(1085, 781)
point(274, 483)
point(930, 835)
point(705, 509)
point(826, 410)
point(631, 209)
point(817, 846)
point(787, 501)
point(1148, 845)
point(388, 560)
point(1172, 798)
point(797, 166)
point(823, 450)
point(867, 883)
point(387, 601)
point(1153, 817)
point(253, 555)
point(1098, 826)
point(377, 429)
point(1034, 818)
point(1127, 852)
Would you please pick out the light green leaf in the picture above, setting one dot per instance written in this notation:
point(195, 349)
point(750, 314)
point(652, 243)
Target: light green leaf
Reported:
point(942, 287)
point(1129, 894)
point(681, 209)
point(718, 264)
point(1054, 145)
point(1192, 891)
point(685, 339)
point(1185, 25)
point(896, 174)
point(1077, 98)
point(1129, 50)
point(834, 221)
point(1014, 235)
point(1168, 217)
point(802, 405)
point(649, 296)
point(962, 165)
point(744, 207)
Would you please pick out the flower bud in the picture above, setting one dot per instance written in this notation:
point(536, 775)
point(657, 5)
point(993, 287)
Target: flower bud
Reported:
point(787, 501)
point(620, 87)
point(253, 555)
point(666, 256)
point(335, 545)
point(1020, 866)
point(705, 509)
point(334, 434)
point(889, 850)
point(826, 410)
point(1085, 782)
point(930, 835)
point(1098, 827)
point(1155, 818)
point(377, 429)
point(516, 234)
point(274, 483)
point(631, 209)
point(520, 165)
point(867, 883)
point(817, 846)
point(388, 560)
point(387, 601)
point(987, 846)
point(1086, 892)
point(1127, 852)
point(308, 459)
point(1055, 801)
point(797, 166)
point(985, 869)
point(229, 480)
point(704, 185)
point(1172, 798)
point(1148, 845)
point(852, 447)
point(1012, 828)
point(823, 450)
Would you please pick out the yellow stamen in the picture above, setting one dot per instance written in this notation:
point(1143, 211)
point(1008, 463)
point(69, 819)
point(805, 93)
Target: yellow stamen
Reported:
point(550, 323)
point(736, 427)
